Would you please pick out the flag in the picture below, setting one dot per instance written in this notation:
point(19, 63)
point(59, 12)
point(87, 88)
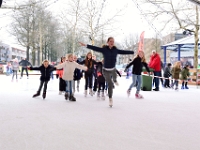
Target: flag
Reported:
point(141, 42)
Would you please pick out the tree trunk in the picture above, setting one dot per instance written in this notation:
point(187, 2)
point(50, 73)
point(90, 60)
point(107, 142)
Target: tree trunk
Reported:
point(196, 36)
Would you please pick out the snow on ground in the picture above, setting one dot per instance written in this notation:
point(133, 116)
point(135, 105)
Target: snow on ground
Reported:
point(164, 120)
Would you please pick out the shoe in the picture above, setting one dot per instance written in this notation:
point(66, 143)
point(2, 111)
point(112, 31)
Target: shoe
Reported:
point(37, 94)
point(110, 102)
point(102, 96)
point(156, 89)
point(72, 98)
point(176, 88)
point(138, 96)
point(60, 92)
point(182, 87)
point(128, 92)
point(66, 96)
point(44, 95)
point(98, 95)
point(186, 87)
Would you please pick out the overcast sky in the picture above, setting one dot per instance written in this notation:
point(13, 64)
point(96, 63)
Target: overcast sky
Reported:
point(130, 23)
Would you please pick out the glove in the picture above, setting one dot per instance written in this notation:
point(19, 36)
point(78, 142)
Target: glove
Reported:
point(125, 70)
point(57, 76)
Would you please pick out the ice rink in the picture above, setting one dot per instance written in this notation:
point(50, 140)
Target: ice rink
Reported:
point(164, 120)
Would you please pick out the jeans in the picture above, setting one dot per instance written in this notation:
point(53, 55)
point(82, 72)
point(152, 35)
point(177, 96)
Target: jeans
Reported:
point(69, 85)
point(14, 73)
point(157, 73)
point(88, 80)
point(138, 79)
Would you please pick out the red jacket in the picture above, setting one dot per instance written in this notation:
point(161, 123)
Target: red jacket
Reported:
point(155, 62)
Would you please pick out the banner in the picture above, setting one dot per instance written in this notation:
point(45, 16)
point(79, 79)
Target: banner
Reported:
point(141, 42)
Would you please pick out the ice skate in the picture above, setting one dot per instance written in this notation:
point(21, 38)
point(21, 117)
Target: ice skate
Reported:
point(37, 94)
point(138, 96)
point(102, 96)
point(91, 93)
point(186, 87)
point(182, 87)
point(176, 89)
point(110, 102)
point(72, 98)
point(44, 95)
point(85, 93)
point(128, 92)
point(66, 96)
point(98, 95)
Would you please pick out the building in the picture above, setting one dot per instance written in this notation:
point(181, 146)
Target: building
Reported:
point(8, 53)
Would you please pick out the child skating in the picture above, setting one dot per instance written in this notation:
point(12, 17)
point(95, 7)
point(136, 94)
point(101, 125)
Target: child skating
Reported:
point(15, 68)
point(45, 70)
point(184, 77)
point(175, 74)
point(68, 75)
point(137, 63)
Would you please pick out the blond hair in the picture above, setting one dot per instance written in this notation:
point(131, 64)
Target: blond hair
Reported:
point(143, 59)
point(45, 61)
point(69, 55)
point(177, 64)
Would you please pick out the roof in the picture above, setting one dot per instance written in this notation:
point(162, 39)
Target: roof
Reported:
point(189, 40)
point(183, 54)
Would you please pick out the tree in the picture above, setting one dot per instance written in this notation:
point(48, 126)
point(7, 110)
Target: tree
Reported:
point(180, 14)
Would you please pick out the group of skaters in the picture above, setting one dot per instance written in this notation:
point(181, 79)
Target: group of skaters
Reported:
point(69, 72)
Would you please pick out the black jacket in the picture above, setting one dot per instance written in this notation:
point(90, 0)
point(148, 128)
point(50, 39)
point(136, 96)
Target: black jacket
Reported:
point(100, 77)
point(90, 69)
point(24, 63)
point(167, 72)
point(137, 66)
point(110, 55)
point(45, 72)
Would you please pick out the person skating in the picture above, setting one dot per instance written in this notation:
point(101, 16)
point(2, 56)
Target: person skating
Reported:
point(89, 63)
point(24, 63)
point(175, 74)
point(45, 70)
point(68, 75)
point(167, 74)
point(59, 74)
point(137, 63)
point(184, 77)
point(15, 68)
point(110, 53)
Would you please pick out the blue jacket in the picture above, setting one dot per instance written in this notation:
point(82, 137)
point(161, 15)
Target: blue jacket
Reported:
point(110, 55)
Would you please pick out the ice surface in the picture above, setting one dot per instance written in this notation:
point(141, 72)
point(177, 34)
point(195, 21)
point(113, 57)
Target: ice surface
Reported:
point(164, 120)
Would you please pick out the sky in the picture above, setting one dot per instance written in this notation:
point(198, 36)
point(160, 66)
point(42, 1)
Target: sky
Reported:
point(130, 23)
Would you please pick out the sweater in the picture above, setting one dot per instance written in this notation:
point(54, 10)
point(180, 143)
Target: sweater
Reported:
point(68, 69)
point(137, 66)
point(110, 55)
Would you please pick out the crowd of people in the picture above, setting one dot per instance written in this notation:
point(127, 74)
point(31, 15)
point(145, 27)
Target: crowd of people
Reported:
point(102, 75)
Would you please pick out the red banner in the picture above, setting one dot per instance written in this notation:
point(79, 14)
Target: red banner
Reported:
point(141, 42)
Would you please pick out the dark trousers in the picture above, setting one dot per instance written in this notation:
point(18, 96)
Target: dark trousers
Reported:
point(23, 71)
point(41, 85)
point(156, 80)
point(62, 85)
point(101, 86)
point(88, 81)
point(95, 84)
point(166, 84)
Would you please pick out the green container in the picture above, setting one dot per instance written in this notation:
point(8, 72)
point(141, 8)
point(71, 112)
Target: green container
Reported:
point(146, 80)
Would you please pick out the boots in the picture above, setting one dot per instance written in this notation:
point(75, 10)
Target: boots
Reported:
point(139, 96)
point(72, 98)
point(186, 87)
point(102, 95)
point(37, 94)
point(110, 102)
point(44, 95)
point(66, 96)
point(182, 87)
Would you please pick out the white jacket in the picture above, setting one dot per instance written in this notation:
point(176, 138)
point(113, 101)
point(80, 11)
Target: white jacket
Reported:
point(68, 69)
